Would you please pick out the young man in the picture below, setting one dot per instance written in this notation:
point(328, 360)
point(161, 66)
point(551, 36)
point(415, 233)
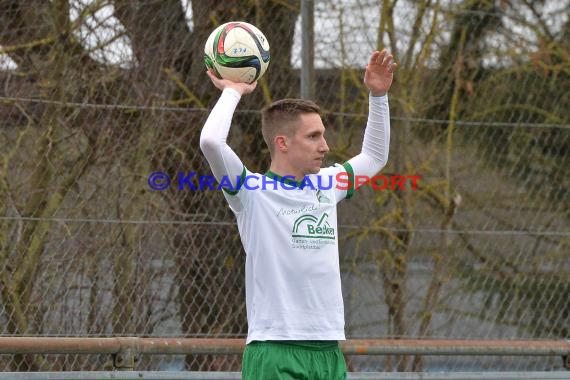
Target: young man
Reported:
point(288, 225)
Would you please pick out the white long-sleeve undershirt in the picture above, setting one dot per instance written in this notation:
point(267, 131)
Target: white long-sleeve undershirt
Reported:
point(225, 162)
point(222, 159)
point(376, 143)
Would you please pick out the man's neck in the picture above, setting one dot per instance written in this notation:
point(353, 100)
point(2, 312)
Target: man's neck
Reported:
point(285, 171)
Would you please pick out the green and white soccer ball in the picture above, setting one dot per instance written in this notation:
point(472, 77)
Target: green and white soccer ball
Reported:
point(237, 51)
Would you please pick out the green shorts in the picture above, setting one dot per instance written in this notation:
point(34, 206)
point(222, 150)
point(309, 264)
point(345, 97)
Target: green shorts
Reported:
point(288, 360)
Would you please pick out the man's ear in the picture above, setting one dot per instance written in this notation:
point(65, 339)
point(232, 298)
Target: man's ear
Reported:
point(281, 143)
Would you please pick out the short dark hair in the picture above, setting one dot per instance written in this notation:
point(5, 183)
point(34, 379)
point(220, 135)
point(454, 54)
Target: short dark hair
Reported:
point(280, 117)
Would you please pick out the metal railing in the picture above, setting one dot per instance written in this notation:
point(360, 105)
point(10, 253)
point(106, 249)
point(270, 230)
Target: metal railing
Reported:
point(126, 352)
point(164, 375)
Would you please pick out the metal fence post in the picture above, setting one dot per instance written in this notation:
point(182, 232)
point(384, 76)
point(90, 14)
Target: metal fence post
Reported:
point(307, 49)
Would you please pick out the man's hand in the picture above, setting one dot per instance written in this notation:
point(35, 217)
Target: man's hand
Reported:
point(380, 72)
point(242, 88)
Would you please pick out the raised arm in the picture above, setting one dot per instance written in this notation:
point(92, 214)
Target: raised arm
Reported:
point(222, 159)
point(378, 79)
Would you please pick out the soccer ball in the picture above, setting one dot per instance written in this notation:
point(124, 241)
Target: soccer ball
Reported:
point(237, 51)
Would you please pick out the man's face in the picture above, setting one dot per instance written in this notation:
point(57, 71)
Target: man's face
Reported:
point(307, 147)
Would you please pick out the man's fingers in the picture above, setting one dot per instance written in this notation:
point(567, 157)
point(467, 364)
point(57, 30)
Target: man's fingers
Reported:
point(212, 76)
point(252, 86)
point(381, 56)
point(374, 58)
point(384, 59)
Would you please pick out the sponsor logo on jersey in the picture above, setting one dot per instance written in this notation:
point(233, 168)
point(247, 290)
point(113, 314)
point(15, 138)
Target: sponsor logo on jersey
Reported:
point(309, 226)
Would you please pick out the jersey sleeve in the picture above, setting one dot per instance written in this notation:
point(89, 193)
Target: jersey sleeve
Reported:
point(340, 178)
point(238, 196)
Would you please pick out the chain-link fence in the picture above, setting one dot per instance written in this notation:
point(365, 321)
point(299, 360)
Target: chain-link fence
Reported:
point(97, 95)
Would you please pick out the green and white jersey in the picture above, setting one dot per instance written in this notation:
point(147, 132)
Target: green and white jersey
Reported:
point(290, 234)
